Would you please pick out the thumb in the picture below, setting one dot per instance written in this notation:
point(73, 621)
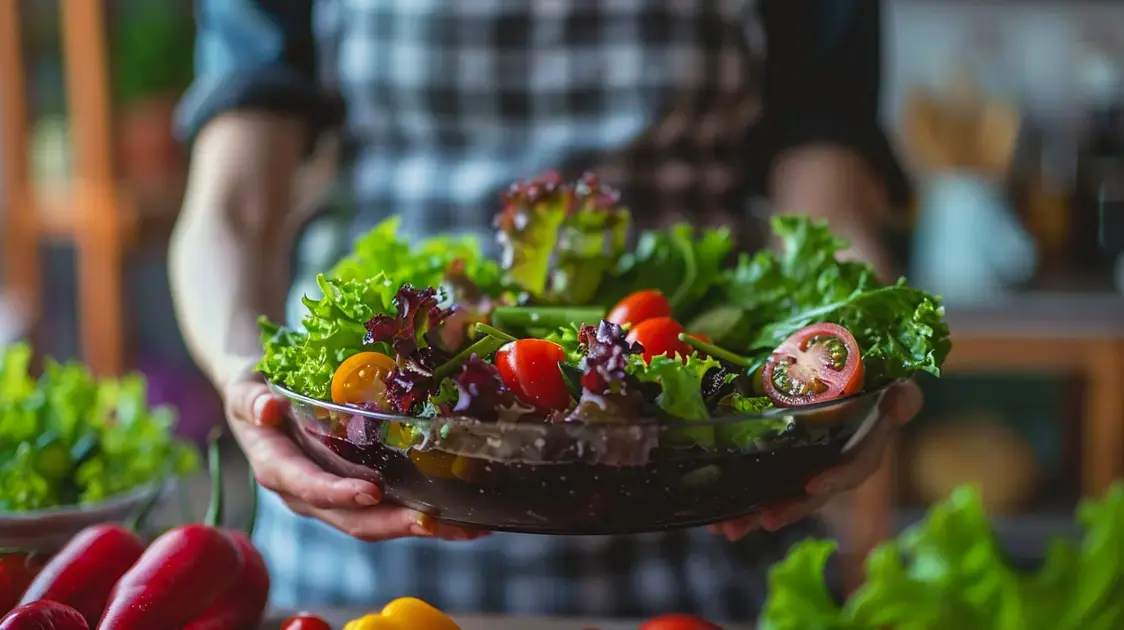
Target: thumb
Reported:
point(251, 400)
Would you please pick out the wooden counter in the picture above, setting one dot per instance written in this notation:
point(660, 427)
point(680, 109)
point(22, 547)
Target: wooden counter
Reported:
point(487, 622)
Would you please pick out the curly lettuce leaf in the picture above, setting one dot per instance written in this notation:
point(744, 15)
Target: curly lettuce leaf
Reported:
point(683, 262)
point(798, 595)
point(333, 330)
point(560, 239)
point(949, 572)
point(680, 394)
point(954, 568)
point(422, 264)
point(360, 286)
point(769, 295)
point(900, 330)
point(743, 435)
point(567, 337)
point(68, 438)
point(1092, 576)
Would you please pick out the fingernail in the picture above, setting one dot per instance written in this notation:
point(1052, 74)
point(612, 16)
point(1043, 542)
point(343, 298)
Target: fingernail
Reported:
point(365, 499)
point(261, 404)
point(773, 522)
point(736, 532)
point(825, 485)
point(424, 525)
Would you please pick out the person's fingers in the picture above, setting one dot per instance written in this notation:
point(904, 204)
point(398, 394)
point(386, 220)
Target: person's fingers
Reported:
point(861, 466)
point(253, 402)
point(736, 529)
point(903, 402)
point(788, 512)
point(280, 466)
point(384, 522)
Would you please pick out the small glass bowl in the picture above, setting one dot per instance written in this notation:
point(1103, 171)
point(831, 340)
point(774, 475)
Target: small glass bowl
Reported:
point(50, 529)
point(584, 478)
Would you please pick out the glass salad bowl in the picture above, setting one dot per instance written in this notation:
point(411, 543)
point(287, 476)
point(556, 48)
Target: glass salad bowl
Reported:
point(584, 478)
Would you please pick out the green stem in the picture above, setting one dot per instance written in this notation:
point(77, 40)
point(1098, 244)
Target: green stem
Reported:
point(545, 316)
point(714, 351)
point(485, 329)
point(136, 520)
point(482, 347)
point(214, 516)
point(253, 504)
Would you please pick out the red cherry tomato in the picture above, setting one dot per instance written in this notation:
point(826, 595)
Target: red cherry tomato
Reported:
point(815, 364)
point(305, 621)
point(529, 368)
point(640, 306)
point(678, 622)
point(660, 336)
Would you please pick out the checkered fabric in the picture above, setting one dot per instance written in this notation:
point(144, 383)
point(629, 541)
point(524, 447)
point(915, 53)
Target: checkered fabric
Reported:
point(446, 103)
point(313, 565)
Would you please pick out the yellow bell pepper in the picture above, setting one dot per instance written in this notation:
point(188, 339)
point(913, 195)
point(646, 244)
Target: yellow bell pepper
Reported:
point(406, 613)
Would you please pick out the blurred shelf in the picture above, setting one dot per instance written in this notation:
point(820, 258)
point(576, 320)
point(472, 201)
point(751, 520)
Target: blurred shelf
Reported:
point(1040, 315)
point(146, 220)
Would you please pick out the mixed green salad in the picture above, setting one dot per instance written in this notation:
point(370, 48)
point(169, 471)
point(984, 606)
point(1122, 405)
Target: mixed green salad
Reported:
point(67, 438)
point(949, 572)
point(572, 324)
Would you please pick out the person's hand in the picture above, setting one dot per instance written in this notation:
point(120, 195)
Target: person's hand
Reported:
point(352, 506)
point(899, 405)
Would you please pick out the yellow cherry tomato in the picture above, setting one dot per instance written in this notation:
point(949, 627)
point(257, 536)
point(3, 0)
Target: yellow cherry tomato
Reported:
point(442, 465)
point(362, 379)
point(407, 613)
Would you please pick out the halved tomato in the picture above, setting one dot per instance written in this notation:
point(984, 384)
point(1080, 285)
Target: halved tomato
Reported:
point(529, 367)
point(640, 306)
point(361, 378)
point(815, 364)
point(660, 335)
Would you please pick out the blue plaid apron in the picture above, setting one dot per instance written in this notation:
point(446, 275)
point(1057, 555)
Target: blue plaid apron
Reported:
point(448, 102)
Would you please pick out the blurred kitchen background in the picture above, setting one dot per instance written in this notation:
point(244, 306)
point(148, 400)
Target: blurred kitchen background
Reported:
point(1010, 114)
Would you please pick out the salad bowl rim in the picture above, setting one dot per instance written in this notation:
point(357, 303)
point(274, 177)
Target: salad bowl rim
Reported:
point(109, 505)
point(793, 414)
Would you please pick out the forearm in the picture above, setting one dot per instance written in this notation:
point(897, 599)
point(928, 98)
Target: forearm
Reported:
point(225, 259)
point(836, 184)
point(827, 182)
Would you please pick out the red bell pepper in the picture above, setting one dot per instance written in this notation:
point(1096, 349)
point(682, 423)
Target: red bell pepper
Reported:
point(243, 605)
point(181, 574)
point(82, 574)
point(17, 570)
point(44, 615)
